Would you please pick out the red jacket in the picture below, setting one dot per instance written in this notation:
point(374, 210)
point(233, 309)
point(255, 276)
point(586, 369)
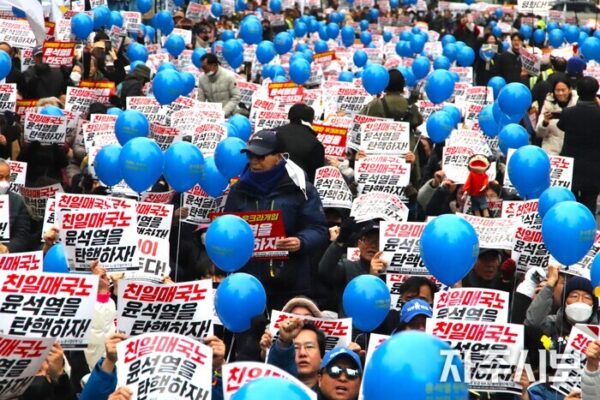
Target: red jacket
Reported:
point(476, 183)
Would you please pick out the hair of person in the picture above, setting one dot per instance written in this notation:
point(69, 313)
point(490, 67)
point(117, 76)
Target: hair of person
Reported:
point(4, 162)
point(516, 34)
point(587, 87)
point(309, 326)
point(559, 64)
point(562, 79)
point(396, 83)
point(210, 58)
point(414, 283)
point(301, 112)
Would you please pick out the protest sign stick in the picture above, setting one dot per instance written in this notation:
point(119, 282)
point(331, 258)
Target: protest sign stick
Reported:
point(178, 237)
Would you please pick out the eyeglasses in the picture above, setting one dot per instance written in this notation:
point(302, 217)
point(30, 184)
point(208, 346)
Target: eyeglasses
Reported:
point(335, 372)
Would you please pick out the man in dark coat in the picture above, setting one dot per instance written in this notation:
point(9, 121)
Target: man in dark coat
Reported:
point(134, 83)
point(300, 141)
point(271, 183)
point(582, 142)
point(508, 63)
point(41, 80)
point(19, 222)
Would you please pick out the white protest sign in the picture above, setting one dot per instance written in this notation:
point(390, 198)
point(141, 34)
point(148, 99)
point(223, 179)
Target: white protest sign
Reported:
point(332, 188)
point(28, 261)
point(46, 129)
point(388, 174)
point(200, 205)
point(400, 243)
point(494, 233)
point(472, 304)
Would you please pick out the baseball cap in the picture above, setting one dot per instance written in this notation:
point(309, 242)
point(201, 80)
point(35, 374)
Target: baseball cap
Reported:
point(368, 228)
point(413, 308)
point(336, 352)
point(263, 143)
point(37, 50)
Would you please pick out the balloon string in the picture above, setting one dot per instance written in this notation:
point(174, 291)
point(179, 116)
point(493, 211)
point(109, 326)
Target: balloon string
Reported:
point(230, 348)
point(178, 237)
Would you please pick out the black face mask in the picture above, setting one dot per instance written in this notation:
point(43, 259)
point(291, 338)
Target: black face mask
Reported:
point(40, 389)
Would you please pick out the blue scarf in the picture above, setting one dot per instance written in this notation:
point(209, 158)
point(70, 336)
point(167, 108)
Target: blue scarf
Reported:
point(263, 182)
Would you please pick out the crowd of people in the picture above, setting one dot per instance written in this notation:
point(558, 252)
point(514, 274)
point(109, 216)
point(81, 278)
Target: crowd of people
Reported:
point(283, 161)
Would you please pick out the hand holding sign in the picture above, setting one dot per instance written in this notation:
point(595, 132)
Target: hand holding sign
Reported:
point(121, 393)
point(291, 244)
point(290, 328)
point(218, 348)
point(593, 356)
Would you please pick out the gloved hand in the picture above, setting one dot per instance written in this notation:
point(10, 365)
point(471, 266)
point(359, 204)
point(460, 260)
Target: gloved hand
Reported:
point(507, 269)
point(533, 277)
point(346, 230)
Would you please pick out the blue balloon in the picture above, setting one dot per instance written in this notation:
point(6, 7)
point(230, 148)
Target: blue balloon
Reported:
point(529, 171)
point(568, 230)
point(137, 52)
point(321, 46)
point(590, 48)
point(175, 44)
point(595, 273)
point(406, 36)
point(197, 55)
point(366, 37)
point(403, 49)
point(539, 35)
point(141, 163)
point(441, 62)
point(236, 289)
point(497, 31)
point(101, 17)
point(336, 17)
point(496, 83)
point(514, 99)
point(387, 36)
point(228, 158)
point(375, 78)
point(81, 25)
point(582, 37)
point(166, 66)
point(408, 75)
point(526, 31)
point(552, 196)
point(151, 34)
point(348, 34)
point(242, 125)
point(364, 25)
point(114, 111)
point(333, 30)
point(571, 33)
point(417, 43)
point(465, 57)
point(229, 242)
point(459, 44)
point(232, 50)
point(439, 125)
point(512, 136)
point(439, 86)
point(275, 6)
point(300, 28)
point(416, 30)
point(167, 86)
point(106, 165)
point(551, 26)
point(556, 38)
point(396, 360)
point(189, 82)
point(499, 13)
point(503, 119)
point(374, 14)
point(323, 32)
point(283, 42)
point(164, 22)
point(449, 248)
point(51, 110)
point(313, 26)
point(272, 388)
point(227, 34)
point(448, 39)
point(487, 123)
point(55, 260)
point(240, 5)
point(454, 112)
point(394, 4)
point(366, 300)
point(251, 31)
point(183, 165)
point(421, 67)
point(300, 71)
point(265, 52)
point(17, 12)
point(360, 58)
point(211, 180)
point(278, 70)
point(116, 19)
point(144, 6)
point(346, 76)
point(131, 124)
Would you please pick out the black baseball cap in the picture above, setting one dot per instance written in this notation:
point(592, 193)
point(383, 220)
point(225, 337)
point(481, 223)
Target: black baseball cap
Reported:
point(263, 143)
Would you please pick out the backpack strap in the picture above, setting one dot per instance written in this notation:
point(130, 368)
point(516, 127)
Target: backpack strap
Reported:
point(386, 108)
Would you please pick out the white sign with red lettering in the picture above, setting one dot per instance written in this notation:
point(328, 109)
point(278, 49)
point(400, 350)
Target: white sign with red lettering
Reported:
point(237, 374)
point(494, 233)
point(400, 243)
point(46, 129)
point(200, 205)
point(385, 138)
point(389, 174)
point(36, 198)
point(29, 261)
point(183, 308)
point(472, 304)
point(165, 366)
point(332, 188)
point(45, 305)
point(8, 97)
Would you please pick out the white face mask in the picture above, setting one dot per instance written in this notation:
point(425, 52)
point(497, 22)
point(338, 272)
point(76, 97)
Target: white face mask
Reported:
point(579, 312)
point(75, 76)
point(4, 186)
point(211, 73)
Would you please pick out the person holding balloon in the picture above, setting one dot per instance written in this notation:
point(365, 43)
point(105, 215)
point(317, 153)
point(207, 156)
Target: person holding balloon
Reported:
point(270, 182)
point(218, 85)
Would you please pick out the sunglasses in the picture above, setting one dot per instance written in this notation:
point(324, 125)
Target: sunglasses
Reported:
point(335, 372)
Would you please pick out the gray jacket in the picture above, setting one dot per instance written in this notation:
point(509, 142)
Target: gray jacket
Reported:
point(538, 315)
point(590, 385)
point(220, 88)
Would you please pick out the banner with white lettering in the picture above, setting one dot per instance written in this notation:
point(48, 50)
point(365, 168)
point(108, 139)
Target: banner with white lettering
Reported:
point(166, 366)
point(333, 139)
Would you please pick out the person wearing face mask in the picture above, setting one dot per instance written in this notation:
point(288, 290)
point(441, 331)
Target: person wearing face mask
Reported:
point(18, 215)
point(578, 307)
point(218, 85)
point(75, 76)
